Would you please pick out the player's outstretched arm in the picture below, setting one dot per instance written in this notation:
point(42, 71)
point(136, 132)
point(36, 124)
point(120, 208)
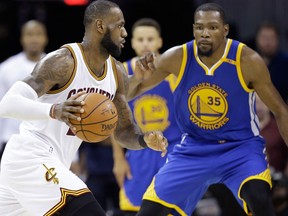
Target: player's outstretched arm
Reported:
point(127, 133)
point(150, 71)
point(53, 70)
point(256, 75)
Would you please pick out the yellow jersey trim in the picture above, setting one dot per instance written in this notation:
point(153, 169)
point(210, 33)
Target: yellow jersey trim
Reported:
point(172, 80)
point(64, 194)
point(238, 67)
point(183, 65)
point(210, 71)
point(125, 204)
point(72, 75)
point(264, 176)
point(125, 66)
point(151, 195)
point(230, 61)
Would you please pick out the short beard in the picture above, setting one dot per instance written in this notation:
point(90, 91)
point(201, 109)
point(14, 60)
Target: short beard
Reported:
point(205, 53)
point(110, 46)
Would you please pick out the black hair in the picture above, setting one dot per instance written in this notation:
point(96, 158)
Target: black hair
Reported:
point(212, 7)
point(147, 22)
point(97, 9)
point(35, 22)
point(268, 25)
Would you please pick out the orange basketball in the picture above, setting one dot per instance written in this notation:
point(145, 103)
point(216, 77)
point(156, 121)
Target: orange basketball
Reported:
point(99, 119)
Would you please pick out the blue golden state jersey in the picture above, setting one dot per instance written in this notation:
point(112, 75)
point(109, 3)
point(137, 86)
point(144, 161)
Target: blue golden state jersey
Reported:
point(215, 103)
point(154, 109)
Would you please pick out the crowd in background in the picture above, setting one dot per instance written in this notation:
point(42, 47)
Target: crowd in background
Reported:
point(34, 40)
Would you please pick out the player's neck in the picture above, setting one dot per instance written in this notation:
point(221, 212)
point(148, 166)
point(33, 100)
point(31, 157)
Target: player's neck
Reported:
point(33, 58)
point(212, 59)
point(94, 59)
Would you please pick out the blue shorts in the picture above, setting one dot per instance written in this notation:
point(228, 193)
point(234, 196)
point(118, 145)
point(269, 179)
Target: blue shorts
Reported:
point(193, 166)
point(144, 164)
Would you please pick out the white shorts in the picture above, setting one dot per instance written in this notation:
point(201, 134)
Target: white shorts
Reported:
point(33, 181)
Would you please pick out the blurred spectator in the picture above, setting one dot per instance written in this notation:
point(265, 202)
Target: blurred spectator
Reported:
point(276, 148)
point(267, 44)
point(33, 40)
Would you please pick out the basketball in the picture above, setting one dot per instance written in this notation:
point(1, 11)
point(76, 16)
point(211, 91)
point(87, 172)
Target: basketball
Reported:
point(99, 119)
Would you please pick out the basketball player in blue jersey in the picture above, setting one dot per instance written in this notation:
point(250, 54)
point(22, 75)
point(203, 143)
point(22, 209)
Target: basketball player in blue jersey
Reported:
point(35, 178)
point(217, 79)
point(152, 110)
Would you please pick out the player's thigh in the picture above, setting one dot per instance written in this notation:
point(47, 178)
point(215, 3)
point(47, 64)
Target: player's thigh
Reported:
point(9, 206)
point(143, 165)
point(181, 182)
point(42, 185)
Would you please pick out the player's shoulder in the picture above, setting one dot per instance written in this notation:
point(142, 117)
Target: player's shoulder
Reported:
point(61, 56)
point(118, 65)
point(249, 55)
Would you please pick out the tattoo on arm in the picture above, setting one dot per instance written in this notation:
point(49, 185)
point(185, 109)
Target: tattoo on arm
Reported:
point(127, 132)
point(51, 71)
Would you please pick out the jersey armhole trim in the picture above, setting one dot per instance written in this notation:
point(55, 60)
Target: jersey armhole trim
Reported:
point(114, 71)
point(238, 67)
point(183, 65)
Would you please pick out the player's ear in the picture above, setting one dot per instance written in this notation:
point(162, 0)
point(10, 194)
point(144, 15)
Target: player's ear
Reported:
point(226, 30)
point(100, 26)
point(193, 31)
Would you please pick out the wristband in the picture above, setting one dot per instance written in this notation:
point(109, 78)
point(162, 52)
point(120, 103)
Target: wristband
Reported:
point(142, 141)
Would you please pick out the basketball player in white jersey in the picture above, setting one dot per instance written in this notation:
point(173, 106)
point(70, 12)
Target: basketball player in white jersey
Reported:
point(35, 178)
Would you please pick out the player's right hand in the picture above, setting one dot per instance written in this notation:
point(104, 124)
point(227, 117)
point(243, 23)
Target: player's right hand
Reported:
point(144, 66)
point(66, 110)
point(121, 170)
point(156, 141)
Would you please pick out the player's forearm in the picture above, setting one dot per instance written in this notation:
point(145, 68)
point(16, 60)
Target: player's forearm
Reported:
point(19, 102)
point(134, 87)
point(118, 151)
point(130, 138)
point(137, 87)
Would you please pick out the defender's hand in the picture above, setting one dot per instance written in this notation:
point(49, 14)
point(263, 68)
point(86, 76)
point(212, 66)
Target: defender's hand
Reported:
point(145, 66)
point(156, 141)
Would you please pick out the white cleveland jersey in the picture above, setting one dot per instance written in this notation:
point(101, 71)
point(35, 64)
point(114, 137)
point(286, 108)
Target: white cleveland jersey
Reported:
point(55, 133)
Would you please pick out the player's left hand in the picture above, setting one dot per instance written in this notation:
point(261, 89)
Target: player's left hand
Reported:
point(156, 141)
point(144, 66)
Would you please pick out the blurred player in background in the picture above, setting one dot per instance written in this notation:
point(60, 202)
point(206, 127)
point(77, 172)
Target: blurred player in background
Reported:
point(153, 110)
